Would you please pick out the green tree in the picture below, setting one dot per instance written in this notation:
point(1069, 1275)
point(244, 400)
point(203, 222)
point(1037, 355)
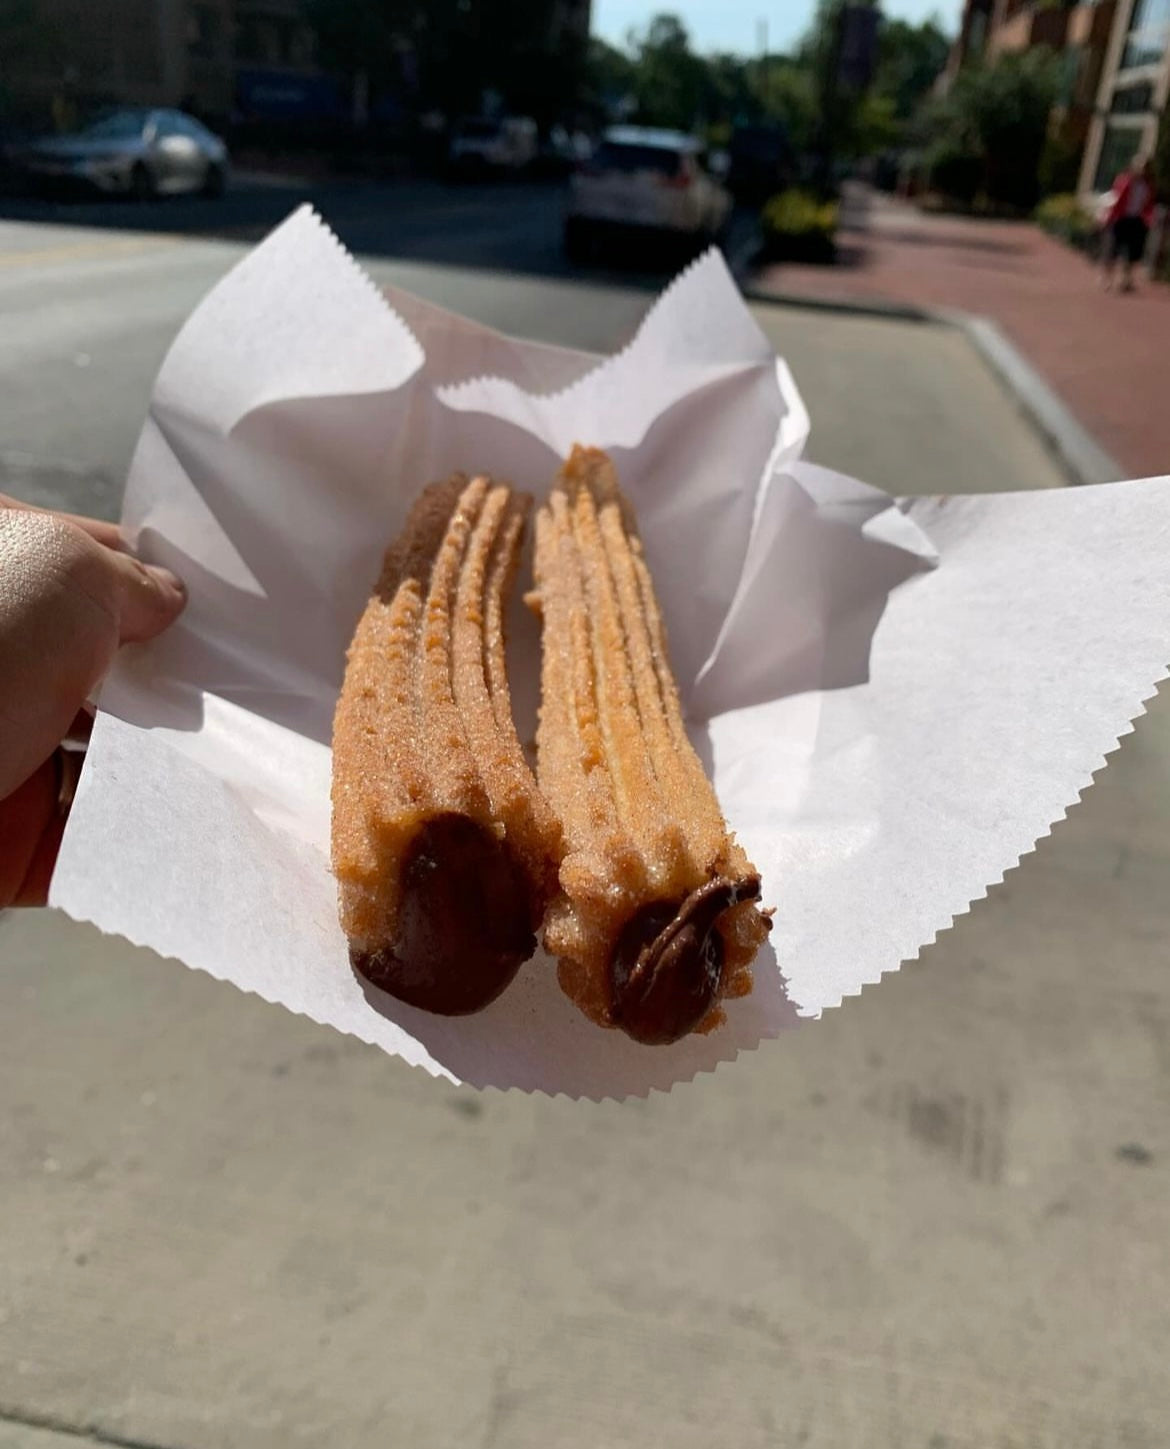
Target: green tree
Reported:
point(788, 93)
point(876, 126)
point(998, 116)
point(841, 131)
point(908, 61)
point(730, 96)
point(673, 86)
point(910, 58)
point(609, 77)
point(761, 89)
point(670, 80)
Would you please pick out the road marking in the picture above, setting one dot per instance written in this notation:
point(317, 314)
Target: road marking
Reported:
point(71, 251)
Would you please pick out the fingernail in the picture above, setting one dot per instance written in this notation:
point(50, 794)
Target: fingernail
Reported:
point(169, 581)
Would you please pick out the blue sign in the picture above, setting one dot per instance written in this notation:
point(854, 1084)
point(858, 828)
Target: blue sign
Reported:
point(275, 95)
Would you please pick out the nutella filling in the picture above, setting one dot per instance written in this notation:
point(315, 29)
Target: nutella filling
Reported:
point(664, 972)
point(464, 924)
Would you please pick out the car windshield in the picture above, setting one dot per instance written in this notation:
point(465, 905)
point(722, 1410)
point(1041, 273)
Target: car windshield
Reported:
point(622, 156)
point(117, 126)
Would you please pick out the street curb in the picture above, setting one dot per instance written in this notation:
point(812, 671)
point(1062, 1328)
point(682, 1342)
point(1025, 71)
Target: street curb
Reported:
point(1081, 458)
point(848, 307)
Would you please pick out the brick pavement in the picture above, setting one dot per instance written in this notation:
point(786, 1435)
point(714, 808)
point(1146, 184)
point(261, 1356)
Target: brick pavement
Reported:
point(1107, 355)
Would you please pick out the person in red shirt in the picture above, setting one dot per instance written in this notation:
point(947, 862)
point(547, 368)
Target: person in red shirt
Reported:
point(1130, 217)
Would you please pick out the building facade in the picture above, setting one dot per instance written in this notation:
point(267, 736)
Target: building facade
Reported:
point(1079, 33)
point(67, 56)
point(242, 61)
point(1133, 94)
point(1115, 72)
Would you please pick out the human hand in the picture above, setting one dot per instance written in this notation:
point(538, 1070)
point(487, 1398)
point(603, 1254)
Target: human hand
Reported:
point(70, 595)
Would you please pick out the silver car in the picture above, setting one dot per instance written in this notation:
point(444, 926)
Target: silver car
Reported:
point(132, 152)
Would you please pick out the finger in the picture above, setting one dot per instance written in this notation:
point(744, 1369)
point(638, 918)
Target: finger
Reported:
point(31, 826)
point(148, 597)
point(100, 530)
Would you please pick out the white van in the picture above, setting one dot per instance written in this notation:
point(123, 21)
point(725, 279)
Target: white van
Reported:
point(645, 180)
point(481, 144)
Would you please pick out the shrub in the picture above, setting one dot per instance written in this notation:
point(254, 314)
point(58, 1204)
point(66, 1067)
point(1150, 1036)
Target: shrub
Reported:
point(987, 133)
point(799, 226)
point(1065, 217)
point(1060, 165)
point(955, 172)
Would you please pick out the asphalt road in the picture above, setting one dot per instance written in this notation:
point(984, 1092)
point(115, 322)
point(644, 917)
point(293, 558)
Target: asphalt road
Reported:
point(92, 293)
point(479, 224)
point(933, 1220)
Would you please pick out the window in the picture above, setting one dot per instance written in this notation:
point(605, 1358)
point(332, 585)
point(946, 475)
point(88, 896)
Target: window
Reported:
point(167, 124)
point(1118, 148)
point(1133, 100)
point(179, 124)
point(618, 156)
point(117, 126)
point(1149, 34)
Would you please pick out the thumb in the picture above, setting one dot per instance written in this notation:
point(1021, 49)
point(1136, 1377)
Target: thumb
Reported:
point(66, 603)
point(147, 597)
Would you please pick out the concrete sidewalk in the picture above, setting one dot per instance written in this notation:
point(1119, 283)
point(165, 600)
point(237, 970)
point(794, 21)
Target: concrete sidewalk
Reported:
point(933, 1220)
point(1106, 355)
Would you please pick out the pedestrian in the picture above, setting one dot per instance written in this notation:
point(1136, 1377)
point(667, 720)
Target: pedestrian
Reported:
point(70, 594)
point(1129, 219)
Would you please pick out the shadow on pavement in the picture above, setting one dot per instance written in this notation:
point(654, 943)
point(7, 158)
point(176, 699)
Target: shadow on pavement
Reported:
point(920, 237)
point(505, 226)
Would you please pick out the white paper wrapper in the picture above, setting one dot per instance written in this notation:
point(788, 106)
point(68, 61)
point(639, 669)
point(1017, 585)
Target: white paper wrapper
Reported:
point(895, 700)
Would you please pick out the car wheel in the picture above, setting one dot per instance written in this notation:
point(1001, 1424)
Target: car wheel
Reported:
point(141, 183)
point(215, 182)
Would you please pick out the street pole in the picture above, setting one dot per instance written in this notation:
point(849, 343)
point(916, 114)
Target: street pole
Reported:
point(829, 101)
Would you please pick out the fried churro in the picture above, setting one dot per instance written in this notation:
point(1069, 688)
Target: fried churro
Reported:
point(655, 922)
point(444, 850)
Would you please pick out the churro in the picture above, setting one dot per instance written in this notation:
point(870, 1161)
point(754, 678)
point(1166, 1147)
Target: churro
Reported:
point(655, 921)
point(444, 850)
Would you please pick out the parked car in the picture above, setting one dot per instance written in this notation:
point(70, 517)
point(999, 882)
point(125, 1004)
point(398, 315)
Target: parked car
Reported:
point(129, 151)
point(647, 182)
point(483, 146)
point(561, 151)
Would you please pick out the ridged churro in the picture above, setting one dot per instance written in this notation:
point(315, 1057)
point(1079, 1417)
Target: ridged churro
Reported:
point(444, 850)
point(655, 922)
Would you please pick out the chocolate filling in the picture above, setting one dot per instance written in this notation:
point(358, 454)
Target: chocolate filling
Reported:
point(664, 972)
point(464, 925)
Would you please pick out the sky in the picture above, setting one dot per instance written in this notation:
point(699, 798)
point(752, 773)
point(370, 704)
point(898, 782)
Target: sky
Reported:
point(733, 25)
